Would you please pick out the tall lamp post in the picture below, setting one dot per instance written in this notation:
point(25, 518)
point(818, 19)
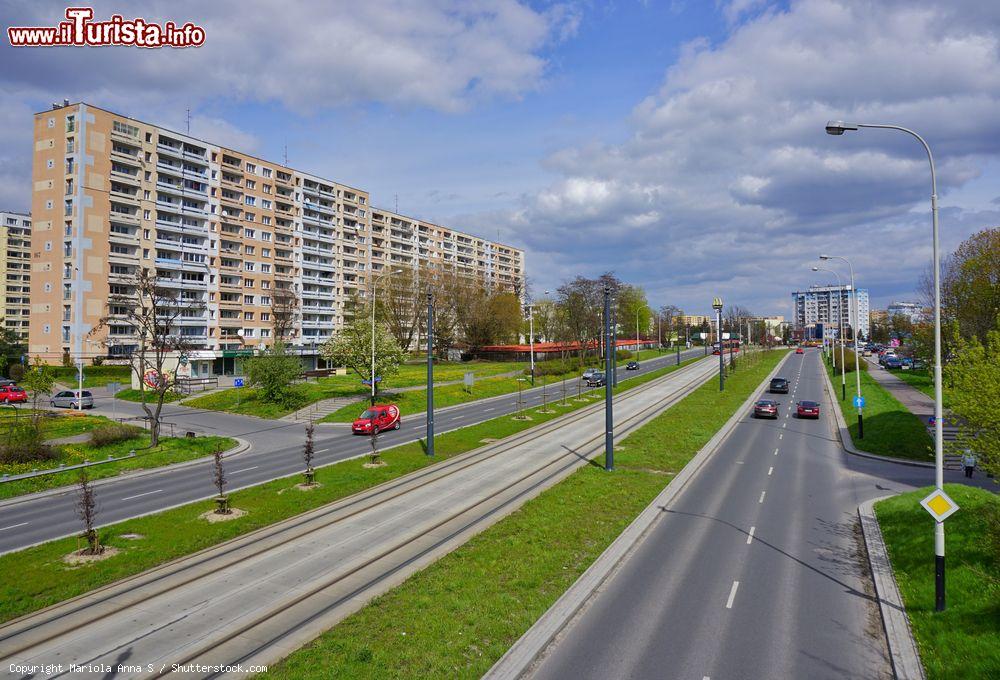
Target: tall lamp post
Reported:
point(430, 374)
point(531, 339)
point(374, 285)
point(717, 306)
point(839, 128)
point(637, 335)
point(840, 331)
point(857, 328)
point(609, 417)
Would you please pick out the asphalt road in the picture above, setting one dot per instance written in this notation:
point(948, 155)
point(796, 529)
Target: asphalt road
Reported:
point(276, 452)
point(756, 570)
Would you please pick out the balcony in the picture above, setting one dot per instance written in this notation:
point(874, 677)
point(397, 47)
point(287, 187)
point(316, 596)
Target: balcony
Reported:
point(124, 218)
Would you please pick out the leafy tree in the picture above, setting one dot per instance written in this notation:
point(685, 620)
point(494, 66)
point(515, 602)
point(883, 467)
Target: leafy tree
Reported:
point(272, 372)
point(974, 377)
point(631, 304)
point(352, 348)
point(39, 380)
point(970, 284)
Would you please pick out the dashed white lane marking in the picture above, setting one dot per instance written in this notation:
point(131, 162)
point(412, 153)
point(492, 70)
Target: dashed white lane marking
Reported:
point(750, 535)
point(770, 470)
point(776, 452)
point(140, 495)
point(761, 499)
point(252, 467)
point(732, 595)
point(13, 526)
point(784, 425)
point(324, 450)
point(781, 435)
point(489, 409)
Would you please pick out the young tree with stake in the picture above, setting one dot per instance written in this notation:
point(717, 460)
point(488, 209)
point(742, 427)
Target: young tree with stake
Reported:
point(86, 507)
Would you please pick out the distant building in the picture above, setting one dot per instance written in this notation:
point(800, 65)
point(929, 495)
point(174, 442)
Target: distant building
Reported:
point(830, 306)
point(911, 310)
point(878, 316)
point(695, 320)
point(15, 261)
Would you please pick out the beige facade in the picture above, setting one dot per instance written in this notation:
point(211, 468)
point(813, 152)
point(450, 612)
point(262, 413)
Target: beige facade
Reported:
point(15, 262)
point(112, 194)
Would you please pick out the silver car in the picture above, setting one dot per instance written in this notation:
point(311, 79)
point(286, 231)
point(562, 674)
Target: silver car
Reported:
point(72, 399)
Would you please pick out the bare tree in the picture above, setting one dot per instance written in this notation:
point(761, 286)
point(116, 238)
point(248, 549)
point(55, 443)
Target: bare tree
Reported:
point(373, 440)
point(86, 508)
point(400, 304)
point(284, 311)
point(219, 479)
point(308, 451)
point(151, 312)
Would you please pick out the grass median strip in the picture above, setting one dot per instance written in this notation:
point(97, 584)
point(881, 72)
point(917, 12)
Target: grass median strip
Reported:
point(964, 640)
point(458, 616)
point(890, 429)
point(43, 578)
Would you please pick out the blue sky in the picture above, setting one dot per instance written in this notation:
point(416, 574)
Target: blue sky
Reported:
point(679, 144)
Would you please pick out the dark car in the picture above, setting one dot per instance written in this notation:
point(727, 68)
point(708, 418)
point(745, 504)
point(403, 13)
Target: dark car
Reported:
point(765, 408)
point(632, 366)
point(892, 362)
point(376, 419)
point(778, 386)
point(596, 380)
point(807, 409)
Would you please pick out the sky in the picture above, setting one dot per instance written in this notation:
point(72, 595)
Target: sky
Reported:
point(677, 143)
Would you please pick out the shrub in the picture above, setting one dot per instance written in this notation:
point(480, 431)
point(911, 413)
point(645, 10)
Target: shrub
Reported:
point(850, 358)
point(555, 366)
point(112, 434)
point(22, 443)
point(15, 372)
point(624, 354)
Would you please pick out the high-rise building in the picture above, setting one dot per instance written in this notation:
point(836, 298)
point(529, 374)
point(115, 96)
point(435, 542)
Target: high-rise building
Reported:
point(15, 262)
point(911, 310)
point(226, 229)
point(829, 306)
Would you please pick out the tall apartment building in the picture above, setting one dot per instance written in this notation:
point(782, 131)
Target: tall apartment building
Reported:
point(15, 262)
point(226, 229)
point(911, 310)
point(830, 306)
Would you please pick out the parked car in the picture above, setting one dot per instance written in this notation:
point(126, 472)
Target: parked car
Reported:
point(892, 362)
point(377, 419)
point(12, 394)
point(597, 379)
point(632, 366)
point(4, 382)
point(765, 408)
point(778, 386)
point(72, 399)
point(807, 409)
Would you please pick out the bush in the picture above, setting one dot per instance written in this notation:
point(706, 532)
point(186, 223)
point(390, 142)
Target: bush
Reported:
point(556, 366)
point(624, 354)
point(22, 443)
point(112, 434)
point(15, 372)
point(850, 359)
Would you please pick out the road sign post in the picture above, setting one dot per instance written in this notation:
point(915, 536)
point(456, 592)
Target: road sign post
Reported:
point(941, 507)
point(238, 383)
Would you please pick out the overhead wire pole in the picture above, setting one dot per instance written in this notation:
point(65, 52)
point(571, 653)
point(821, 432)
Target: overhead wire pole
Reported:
point(857, 329)
point(609, 418)
point(430, 374)
point(838, 128)
point(717, 306)
point(840, 331)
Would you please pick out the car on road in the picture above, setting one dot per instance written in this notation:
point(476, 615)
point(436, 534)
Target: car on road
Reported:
point(597, 379)
point(798, 350)
point(632, 366)
point(778, 386)
point(765, 408)
point(376, 419)
point(588, 373)
point(72, 399)
point(892, 362)
point(12, 394)
point(807, 409)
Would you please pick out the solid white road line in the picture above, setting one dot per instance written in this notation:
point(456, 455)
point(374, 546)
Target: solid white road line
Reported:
point(254, 467)
point(13, 526)
point(770, 470)
point(750, 535)
point(761, 500)
point(139, 495)
point(732, 595)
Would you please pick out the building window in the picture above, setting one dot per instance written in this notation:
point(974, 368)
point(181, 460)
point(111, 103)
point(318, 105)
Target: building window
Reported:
point(251, 167)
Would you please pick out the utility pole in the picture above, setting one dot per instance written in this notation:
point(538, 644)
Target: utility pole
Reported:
point(430, 374)
point(717, 306)
point(614, 343)
point(609, 418)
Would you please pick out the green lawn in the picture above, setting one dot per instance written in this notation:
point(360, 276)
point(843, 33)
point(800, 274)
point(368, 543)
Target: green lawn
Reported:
point(178, 532)
point(923, 380)
point(94, 376)
point(128, 394)
point(462, 613)
point(890, 429)
point(964, 640)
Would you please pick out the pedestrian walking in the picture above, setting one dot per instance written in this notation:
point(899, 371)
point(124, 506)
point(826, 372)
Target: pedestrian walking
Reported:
point(969, 462)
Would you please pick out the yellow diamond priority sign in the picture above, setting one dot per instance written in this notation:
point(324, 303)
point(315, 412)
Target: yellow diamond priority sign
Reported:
point(940, 505)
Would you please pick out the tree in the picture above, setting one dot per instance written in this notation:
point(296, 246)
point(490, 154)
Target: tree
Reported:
point(668, 318)
point(39, 380)
point(970, 285)
point(272, 372)
point(580, 307)
point(632, 304)
point(86, 508)
point(400, 304)
point(219, 481)
point(352, 348)
point(546, 320)
point(308, 451)
point(151, 311)
point(284, 312)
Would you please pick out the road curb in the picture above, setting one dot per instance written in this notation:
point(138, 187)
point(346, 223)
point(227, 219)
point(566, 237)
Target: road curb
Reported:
point(903, 651)
point(847, 442)
point(530, 646)
point(242, 446)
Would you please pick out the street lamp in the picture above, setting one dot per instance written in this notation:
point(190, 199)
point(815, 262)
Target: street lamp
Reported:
point(637, 334)
point(374, 285)
point(531, 337)
point(430, 373)
point(609, 417)
point(840, 331)
point(857, 328)
point(838, 128)
point(717, 306)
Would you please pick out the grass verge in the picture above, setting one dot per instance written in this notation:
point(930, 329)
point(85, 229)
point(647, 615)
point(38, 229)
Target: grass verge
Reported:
point(179, 531)
point(964, 640)
point(128, 394)
point(463, 612)
point(170, 450)
point(890, 429)
point(93, 376)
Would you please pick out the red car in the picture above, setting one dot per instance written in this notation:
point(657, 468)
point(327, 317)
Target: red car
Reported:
point(798, 350)
point(765, 408)
point(807, 409)
point(377, 418)
point(12, 394)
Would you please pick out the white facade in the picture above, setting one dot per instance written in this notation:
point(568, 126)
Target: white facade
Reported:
point(830, 306)
point(911, 310)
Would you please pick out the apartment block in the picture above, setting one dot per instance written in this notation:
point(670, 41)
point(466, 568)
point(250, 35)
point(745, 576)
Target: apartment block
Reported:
point(15, 262)
point(830, 306)
point(911, 310)
point(226, 229)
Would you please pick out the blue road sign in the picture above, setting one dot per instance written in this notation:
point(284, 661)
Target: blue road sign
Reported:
point(378, 378)
point(859, 402)
point(237, 382)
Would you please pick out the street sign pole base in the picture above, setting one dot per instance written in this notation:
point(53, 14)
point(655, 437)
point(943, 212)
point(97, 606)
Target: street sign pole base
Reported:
point(939, 583)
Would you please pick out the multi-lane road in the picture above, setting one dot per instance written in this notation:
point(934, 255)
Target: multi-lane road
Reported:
point(276, 453)
point(755, 570)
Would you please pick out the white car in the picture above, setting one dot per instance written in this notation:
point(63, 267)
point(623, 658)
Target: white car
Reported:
point(588, 374)
point(72, 399)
